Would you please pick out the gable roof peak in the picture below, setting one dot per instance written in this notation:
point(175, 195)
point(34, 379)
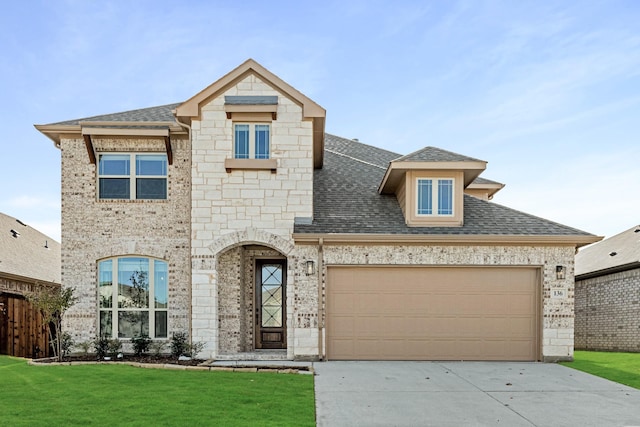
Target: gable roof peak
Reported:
point(435, 154)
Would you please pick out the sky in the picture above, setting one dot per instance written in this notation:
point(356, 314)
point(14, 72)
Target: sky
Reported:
point(548, 93)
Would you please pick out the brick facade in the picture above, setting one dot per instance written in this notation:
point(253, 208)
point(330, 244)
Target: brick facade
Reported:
point(608, 312)
point(95, 229)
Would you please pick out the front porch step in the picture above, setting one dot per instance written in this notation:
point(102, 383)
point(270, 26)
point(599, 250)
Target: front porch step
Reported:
point(254, 355)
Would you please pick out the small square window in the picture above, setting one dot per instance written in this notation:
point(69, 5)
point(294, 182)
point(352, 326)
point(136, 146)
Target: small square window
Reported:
point(251, 141)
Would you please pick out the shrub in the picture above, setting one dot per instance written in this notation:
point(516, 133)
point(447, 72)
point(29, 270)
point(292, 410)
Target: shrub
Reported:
point(101, 345)
point(140, 344)
point(66, 342)
point(195, 348)
point(85, 346)
point(157, 347)
point(179, 344)
point(114, 347)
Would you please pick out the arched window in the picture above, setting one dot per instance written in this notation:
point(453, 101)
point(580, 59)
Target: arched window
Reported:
point(133, 293)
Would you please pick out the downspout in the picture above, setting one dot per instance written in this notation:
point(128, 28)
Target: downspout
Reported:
point(320, 300)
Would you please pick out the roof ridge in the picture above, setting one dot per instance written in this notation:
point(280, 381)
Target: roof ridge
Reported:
point(353, 158)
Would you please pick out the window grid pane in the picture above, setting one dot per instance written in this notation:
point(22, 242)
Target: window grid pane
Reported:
point(161, 294)
point(262, 141)
point(241, 149)
point(425, 202)
point(105, 284)
point(151, 188)
point(133, 283)
point(445, 197)
point(151, 164)
point(114, 188)
point(114, 164)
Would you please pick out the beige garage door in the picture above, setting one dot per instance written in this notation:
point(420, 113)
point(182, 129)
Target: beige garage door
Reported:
point(432, 313)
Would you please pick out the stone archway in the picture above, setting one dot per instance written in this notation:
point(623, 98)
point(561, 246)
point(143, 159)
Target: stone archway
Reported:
point(237, 258)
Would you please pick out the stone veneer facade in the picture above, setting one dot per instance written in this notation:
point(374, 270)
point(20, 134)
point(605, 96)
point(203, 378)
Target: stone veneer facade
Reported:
point(244, 208)
point(95, 229)
point(608, 312)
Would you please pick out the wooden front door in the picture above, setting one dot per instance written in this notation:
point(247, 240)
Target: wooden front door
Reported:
point(271, 277)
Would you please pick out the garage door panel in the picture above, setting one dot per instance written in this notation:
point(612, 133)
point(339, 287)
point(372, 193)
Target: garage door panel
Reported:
point(427, 313)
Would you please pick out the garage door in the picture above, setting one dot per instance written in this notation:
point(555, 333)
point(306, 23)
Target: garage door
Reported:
point(432, 313)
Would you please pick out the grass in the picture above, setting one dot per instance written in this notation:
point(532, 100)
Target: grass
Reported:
point(129, 396)
point(623, 368)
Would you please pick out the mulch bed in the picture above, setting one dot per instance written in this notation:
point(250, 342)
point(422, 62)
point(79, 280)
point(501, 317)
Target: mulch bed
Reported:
point(162, 359)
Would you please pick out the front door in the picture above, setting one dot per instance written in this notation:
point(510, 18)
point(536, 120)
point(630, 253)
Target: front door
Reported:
point(270, 304)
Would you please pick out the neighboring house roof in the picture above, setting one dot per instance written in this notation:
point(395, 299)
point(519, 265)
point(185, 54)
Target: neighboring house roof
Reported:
point(346, 201)
point(618, 253)
point(27, 253)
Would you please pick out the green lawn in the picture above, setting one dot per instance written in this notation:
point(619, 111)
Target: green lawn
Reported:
point(124, 395)
point(623, 368)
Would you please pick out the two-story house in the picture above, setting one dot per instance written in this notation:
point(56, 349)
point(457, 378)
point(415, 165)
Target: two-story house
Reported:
point(234, 217)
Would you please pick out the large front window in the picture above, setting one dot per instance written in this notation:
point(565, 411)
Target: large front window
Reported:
point(132, 176)
point(435, 196)
point(251, 141)
point(133, 294)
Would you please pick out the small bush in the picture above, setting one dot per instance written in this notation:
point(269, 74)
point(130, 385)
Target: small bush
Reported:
point(140, 344)
point(179, 344)
point(84, 346)
point(66, 342)
point(114, 347)
point(195, 348)
point(157, 347)
point(101, 345)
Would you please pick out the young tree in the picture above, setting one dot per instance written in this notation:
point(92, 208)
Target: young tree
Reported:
point(52, 303)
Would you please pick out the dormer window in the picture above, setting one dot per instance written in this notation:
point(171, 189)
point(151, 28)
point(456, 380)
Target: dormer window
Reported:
point(251, 140)
point(434, 196)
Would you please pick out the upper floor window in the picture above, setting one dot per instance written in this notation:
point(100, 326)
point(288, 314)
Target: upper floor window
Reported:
point(435, 196)
point(133, 294)
point(132, 176)
point(251, 141)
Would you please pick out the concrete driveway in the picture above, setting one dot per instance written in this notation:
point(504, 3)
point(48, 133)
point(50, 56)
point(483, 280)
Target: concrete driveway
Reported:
point(468, 394)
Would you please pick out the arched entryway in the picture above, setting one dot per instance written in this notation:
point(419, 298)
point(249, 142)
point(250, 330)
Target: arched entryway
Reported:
point(252, 302)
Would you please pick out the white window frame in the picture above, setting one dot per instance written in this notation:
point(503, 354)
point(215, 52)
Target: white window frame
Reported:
point(252, 139)
point(435, 188)
point(132, 177)
point(151, 308)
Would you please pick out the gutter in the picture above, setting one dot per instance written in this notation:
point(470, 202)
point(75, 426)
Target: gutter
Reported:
point(449, 239)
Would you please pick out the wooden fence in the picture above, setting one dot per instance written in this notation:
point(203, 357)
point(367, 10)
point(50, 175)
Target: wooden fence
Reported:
point(22, 330)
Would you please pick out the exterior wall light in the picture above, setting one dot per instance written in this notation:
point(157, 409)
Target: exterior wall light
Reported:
point(311, 267)
point(561, 272)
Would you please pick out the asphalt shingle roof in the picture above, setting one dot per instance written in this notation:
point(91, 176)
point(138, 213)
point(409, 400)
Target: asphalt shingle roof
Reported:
point(161, 113)
point(346, 200)
point(25, 254)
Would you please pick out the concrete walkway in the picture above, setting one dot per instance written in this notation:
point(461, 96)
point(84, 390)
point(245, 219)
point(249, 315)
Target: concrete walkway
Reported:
point(468, 394)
